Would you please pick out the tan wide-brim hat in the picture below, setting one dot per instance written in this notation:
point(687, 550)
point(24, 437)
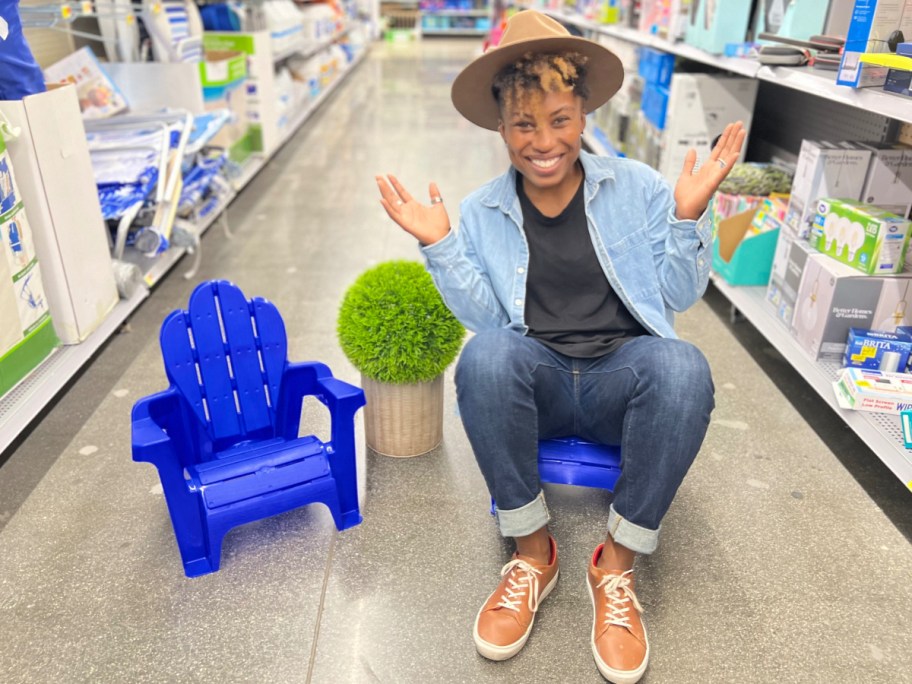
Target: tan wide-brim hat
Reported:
point(531, 31)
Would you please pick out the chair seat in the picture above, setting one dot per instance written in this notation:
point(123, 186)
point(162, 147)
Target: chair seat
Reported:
point(245, 472)
point(573, 461)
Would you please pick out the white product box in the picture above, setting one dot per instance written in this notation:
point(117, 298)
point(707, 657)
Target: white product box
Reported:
point(872, 24)
point(833, 298)
point(700, 106)
point(57, 184)
point(825, 170)
point(889, 181)
point(873, 390)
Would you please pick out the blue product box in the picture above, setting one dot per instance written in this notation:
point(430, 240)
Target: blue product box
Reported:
point(899, 82)
point(655, 104)
point(655, 66)
point(878, 350)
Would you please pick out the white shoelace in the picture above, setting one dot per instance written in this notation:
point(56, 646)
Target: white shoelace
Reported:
point(619, 595)
point(516, 590)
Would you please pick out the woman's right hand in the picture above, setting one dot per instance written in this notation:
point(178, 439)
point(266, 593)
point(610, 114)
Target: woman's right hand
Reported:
point(427, 224)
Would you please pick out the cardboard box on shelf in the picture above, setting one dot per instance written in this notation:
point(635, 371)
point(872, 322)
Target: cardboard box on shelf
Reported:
point(873, 24)
point(860, 389)
point(713, 23)
point(64, 222)
point(699, 108)
point(877, 350)
point(866, 238)
point(825, 170)
point(889, 181)
point(26, 334)
point(789, 260)
point(833, 298)
point(799, 19)
point(741, 256)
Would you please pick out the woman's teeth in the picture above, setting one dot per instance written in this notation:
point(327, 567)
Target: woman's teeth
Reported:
point(545, 163)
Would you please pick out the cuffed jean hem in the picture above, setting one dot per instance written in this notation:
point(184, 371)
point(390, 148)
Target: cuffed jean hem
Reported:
point(634, 537)
point(519, 522)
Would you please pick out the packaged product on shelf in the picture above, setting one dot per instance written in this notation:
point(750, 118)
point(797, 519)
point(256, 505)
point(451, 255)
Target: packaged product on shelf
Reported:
point(866, 238)
point(98, 96)
point(877, 350)
point(713, 23)
point(699, 108)
point(798, 19)
point(825, 170)
point(899, 82)
point(745, 244)
point(833, 298)
point(877, 391)
point(875, 26)
point(889, 181)
point(26, 336)
point(789, 259)
point(57, 186)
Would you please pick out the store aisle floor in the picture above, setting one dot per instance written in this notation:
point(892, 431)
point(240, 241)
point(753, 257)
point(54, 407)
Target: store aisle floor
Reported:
point(775, 565)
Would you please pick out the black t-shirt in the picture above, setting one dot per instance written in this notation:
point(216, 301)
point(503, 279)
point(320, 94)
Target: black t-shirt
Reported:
point(570, 306)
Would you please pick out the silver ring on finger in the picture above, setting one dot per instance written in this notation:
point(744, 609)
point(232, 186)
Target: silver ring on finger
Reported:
point(437, 200)
point(399, 202)
point(722, 163)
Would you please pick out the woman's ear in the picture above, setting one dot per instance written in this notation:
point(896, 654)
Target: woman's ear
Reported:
point(502, 130)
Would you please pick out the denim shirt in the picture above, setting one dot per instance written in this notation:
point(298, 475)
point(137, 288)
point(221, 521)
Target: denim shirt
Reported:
point(656, 263)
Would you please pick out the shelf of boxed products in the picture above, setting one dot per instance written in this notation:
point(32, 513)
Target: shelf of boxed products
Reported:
point(306, 50)
point(25, 402)
point(880, 431)
point(22, 404)
point(298, 120)
point(454, 32)
point(806, 79)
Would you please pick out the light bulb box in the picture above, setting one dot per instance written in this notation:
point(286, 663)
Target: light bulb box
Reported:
point(873, 349)
point(867, 238)
point(833, 298)
point(825, 169)
point(872, 23)
point(741, 257)
point(889, 181)
point(699, 108)
point(860, 389)
point(789, 259)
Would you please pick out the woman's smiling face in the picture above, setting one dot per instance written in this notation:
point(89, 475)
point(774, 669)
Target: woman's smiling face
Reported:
point(543, 132)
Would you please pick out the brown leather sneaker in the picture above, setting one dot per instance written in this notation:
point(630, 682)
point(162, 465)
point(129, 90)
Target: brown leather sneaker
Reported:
point(619, 641)
point(505, 620)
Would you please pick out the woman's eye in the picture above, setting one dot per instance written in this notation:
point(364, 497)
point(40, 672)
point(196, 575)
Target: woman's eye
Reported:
point(525, 125)
point(560, 121)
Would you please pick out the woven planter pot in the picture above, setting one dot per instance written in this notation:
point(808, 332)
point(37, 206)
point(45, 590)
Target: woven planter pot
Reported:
point(403, 420)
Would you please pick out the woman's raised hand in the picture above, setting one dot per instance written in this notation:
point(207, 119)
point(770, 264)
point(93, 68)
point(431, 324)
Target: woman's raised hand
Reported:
point(428, 224)
point(694, 190)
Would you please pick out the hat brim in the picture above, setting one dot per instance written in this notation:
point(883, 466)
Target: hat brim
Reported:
point(471, 92)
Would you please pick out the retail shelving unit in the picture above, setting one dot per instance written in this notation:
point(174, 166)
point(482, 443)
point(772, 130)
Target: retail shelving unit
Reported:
point(25, 402)
point(881, 432)
point(455, 18)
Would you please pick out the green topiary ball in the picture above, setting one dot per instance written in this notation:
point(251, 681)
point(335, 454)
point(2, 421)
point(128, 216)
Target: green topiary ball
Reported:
point(394, 327)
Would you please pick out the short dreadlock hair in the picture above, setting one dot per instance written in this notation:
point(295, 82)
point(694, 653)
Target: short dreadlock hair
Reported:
point(541, 72)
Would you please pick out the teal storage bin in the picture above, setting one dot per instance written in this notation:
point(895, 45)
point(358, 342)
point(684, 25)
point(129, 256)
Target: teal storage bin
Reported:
point(743, 259)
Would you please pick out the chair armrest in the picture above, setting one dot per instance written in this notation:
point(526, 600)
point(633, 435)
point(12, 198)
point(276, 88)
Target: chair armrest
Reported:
point(313, 379)
point(150, 441)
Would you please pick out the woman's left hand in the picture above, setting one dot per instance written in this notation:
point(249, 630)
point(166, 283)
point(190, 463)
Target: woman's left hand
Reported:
point(694, 190)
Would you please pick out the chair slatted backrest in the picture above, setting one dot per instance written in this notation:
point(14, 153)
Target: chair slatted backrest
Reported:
point(226, 356)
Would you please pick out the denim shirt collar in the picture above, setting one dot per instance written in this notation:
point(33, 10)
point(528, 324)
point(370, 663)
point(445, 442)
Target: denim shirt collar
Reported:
point(502, 192)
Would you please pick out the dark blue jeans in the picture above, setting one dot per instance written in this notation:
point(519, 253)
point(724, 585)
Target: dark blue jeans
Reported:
point(653, 397)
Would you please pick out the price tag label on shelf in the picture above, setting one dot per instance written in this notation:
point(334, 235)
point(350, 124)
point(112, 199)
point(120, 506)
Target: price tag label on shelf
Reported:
point(156, 8)
point(66, 11)
point(130, 19)
point(87, 8)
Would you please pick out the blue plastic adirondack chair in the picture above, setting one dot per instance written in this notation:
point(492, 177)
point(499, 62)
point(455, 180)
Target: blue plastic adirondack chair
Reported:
point(224, 436)
point(574, 461)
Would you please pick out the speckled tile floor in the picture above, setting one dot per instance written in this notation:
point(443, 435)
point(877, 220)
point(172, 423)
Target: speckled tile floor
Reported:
point(785, 557)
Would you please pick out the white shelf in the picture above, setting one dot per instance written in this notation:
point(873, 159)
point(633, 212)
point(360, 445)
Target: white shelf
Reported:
point(453, 32)
point(305, 114)
point(455, 13)
point(306, 50)
point(881, 432)
point(806, 79)
point(27, 400)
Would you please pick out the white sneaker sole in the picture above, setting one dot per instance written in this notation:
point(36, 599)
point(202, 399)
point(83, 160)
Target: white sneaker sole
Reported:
point(609, 673)
point(494, 652)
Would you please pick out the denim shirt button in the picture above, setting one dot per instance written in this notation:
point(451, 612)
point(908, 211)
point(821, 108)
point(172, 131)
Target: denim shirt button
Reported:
point(701, 261)
point(518, 302)
point(520, 270)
